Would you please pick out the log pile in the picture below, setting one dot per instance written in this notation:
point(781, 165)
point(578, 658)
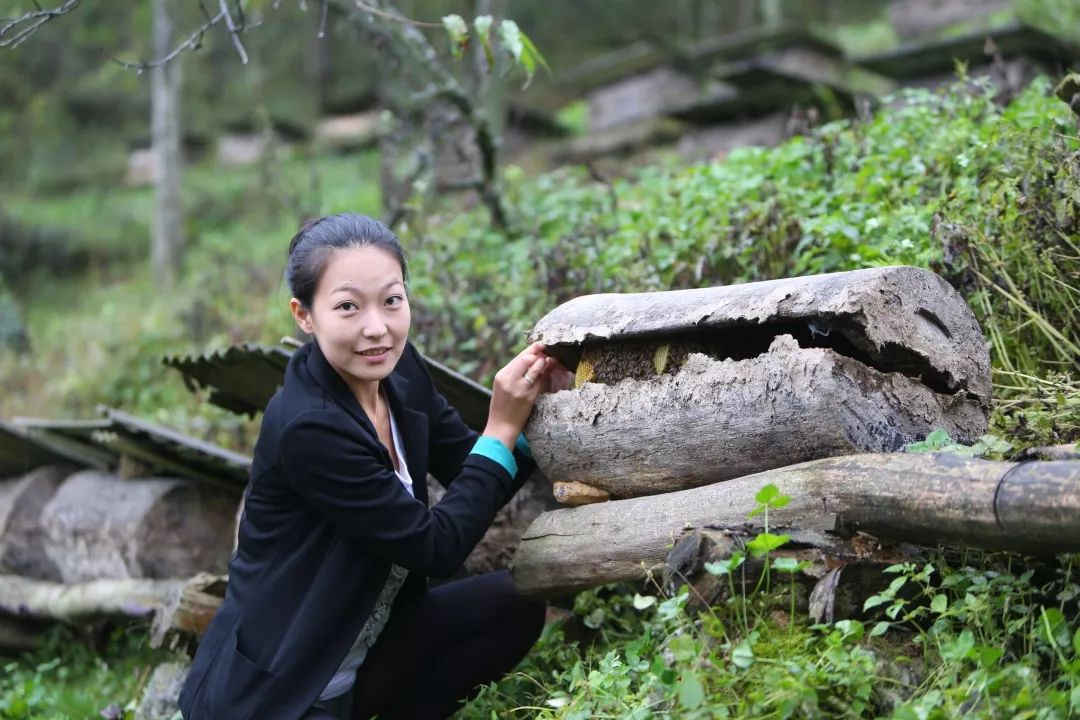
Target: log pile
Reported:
point(118, 542)
point(687, 403)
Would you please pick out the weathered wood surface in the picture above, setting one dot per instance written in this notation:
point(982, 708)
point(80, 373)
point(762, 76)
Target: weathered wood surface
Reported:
point(770, 374)
point(99, 526)
point(902, 318)
point(161, 695)
point(1031, 507)
point(172, 607)
point(22, 597)
point(22, 539)
point(715, 420)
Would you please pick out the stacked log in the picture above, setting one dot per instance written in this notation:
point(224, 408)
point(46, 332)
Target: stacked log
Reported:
point(687, 403)
point(1031, 507)
point(686, 388)
point(99, 526)
point(22, 538)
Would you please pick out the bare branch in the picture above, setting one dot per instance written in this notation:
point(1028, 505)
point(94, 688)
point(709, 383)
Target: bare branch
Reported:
point(28, 23)
point(193, 42)
point(322, 20)
point(234, 31)
point(392, 16)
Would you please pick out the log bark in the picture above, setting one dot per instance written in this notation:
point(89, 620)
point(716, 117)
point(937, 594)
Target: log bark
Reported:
point(99, 526)
point(22, 540)
point(901, 318)
point(715, 420)
point(79, 602)
point(1030, 507)
point(161, 696)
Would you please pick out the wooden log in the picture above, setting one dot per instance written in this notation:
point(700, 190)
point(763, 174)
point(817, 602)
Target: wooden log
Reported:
point(161, 695)
point(99, 526)
point(1029, 507)
point(697, 386)
point(79, 602)
point(715, 420)
point(22, 540)
point(901, 318)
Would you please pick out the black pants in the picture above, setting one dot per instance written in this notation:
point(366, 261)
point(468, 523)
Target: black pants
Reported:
point(435, 650)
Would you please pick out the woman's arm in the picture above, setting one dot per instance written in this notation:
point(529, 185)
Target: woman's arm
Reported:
point(337, 471)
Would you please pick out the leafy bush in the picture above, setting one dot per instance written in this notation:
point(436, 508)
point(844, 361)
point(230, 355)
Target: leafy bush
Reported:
point(983, 194)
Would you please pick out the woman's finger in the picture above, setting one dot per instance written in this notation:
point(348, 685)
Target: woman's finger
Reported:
point(535, 373)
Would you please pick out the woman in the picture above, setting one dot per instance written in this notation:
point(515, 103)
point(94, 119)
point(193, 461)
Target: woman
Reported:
point(336, 538)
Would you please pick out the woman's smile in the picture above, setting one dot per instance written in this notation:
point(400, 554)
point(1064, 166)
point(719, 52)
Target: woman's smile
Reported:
point(375, 355)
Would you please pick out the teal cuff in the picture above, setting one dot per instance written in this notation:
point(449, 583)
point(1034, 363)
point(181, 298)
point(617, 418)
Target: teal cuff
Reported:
point(523, 445)
point(493, 449)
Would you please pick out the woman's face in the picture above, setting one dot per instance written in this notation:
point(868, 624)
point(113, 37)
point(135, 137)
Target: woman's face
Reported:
point(359, 315)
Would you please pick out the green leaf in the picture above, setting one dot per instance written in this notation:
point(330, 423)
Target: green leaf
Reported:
point(767, 493)
point(643, 601)
point(765, 543)
point(780, 501)
point(683, 647)
point(691, 692)
point(458, 32)
point(532, 58)
point(880, 628)
point(873, 601)
point(850, 629)
point(1076, 642)
point(939, 604)
point(986, 655)
point(788, 565)
point(743, 655)
point(594, 619)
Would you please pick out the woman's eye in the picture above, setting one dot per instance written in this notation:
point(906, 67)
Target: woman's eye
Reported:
point(347, 305)
point(395, 300)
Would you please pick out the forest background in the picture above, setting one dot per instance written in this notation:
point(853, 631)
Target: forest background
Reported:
point(984, 190)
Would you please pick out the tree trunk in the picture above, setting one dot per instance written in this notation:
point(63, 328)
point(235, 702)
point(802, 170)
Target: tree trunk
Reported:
point(99, 526)
point(1031, 507)
point(165, 81)
point(22, 539)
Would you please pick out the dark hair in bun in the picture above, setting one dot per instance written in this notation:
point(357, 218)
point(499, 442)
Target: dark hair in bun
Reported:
point(317, 239)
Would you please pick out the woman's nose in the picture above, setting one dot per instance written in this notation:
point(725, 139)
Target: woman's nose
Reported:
point(374, 326)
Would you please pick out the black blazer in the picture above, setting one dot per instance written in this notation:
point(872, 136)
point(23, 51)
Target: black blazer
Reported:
point(325, 518)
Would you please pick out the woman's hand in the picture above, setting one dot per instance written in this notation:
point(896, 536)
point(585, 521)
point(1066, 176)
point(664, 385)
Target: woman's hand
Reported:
point(516, 388)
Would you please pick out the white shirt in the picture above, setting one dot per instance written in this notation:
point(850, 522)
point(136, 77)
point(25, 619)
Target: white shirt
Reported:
point(345, 677)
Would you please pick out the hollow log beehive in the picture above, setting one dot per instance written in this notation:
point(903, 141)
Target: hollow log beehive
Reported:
point(684, 388)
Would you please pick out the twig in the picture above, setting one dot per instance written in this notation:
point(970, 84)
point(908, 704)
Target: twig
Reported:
point(322, 19)
point(193, 42)
point(32, 21)
point(234, 31)
point(392, 16)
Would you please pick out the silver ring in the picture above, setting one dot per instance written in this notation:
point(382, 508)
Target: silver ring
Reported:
point(530, 378)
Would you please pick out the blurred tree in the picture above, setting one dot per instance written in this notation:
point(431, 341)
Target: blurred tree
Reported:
point(168, 226)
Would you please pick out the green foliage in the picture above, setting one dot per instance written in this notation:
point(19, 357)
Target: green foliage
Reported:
point(939, 441)
point(513, 43)
point(981, 638)
point(984, 195)
point(65, 679)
